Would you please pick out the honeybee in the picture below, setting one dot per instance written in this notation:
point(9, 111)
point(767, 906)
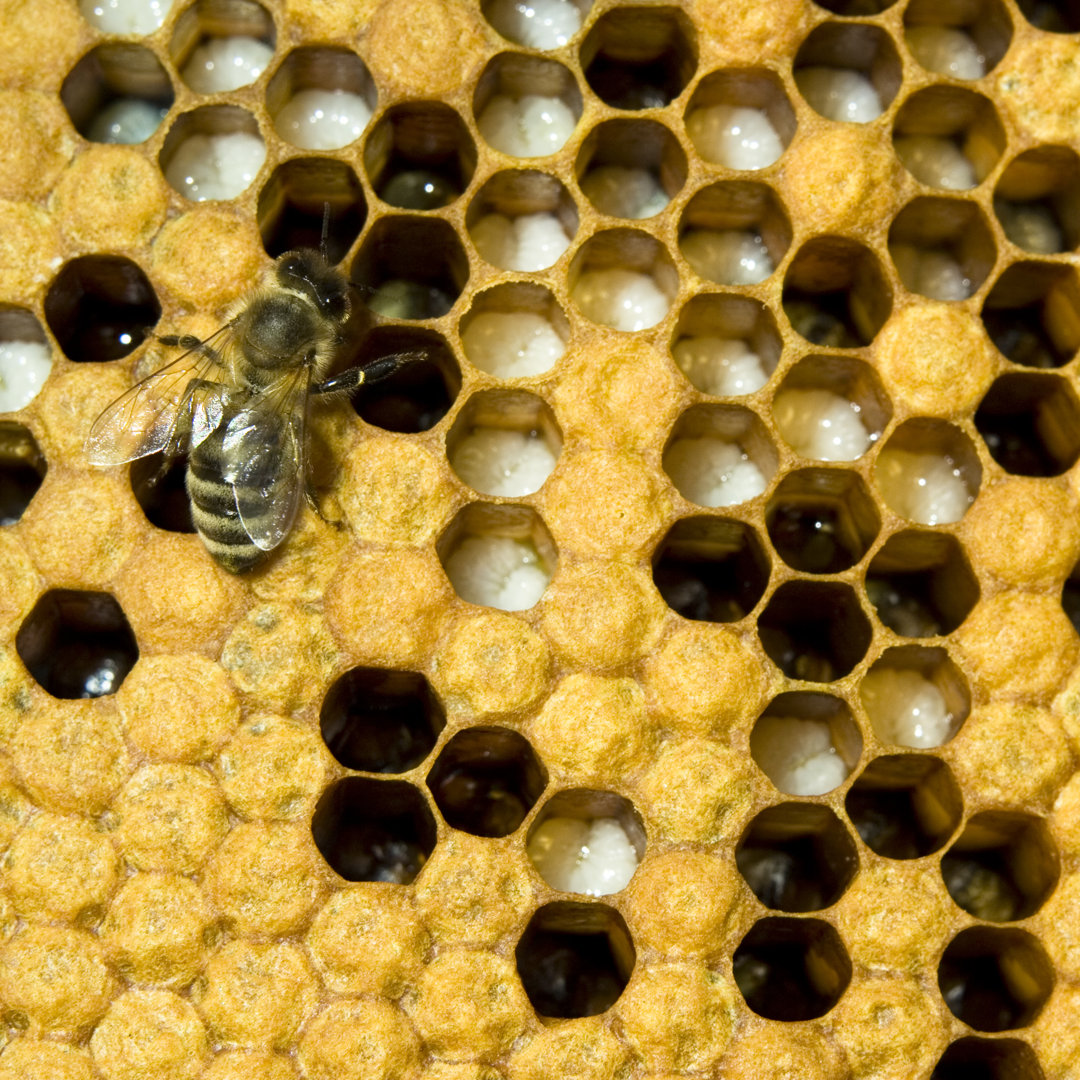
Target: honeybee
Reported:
point(237, 405)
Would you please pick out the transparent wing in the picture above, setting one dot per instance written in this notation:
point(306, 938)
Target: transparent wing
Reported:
point(176, 407)
point(263, 455)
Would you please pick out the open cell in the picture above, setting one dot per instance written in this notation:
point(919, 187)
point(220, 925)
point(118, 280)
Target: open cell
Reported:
point(374, 830)
point(1070, 597)
point(806, 743)
point(855, 8)
point(514, 331)
point(574, 959)
point(727, 346)
point(1037, 200)
point(624, 279)
point(77, 644)
point(848, 71)
point(814, 630)
point(630, 168)
point(526, 106)
point(822, 521)
point(221, 45)
point(1003, 866)
point(928, 472)
point(25, 357)
point(711, 569)
point(835, 293)
point(212, 153)
point(541, 24)
point(719, 455)
point(100, 307)
point(22, 468)
point(973, 1058)
point(498, 555)
point(380, 720)
point(791, 969)
point(915, 697)
point(797, 857)
point(640, 57)
point(586, 841)
point(486, 780)
point(1032, 314)
point(124, 17)
point(740, 118)
point(117, 93)
point(921, 584)
point(299, 196)
point(995, 979)
point(321, 98)
point(1031, 424)
point(1053, 16)
point(504, 443)
point(905, 806)
point(160, 488)
point(960, 39)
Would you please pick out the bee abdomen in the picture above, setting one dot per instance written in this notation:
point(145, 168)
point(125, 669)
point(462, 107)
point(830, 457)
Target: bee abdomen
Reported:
point(214, 513)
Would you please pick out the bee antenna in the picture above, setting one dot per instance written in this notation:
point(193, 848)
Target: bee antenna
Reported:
point(359, 286)
point(325, 235)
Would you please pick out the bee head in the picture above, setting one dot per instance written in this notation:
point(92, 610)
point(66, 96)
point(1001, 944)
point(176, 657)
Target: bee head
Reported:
point(308, 273)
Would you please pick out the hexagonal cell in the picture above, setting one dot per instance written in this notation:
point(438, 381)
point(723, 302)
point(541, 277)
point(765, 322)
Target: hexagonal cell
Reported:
point(806, 743)
point(712, 569)
point(303, 193)
point(791, 969)
point(905, 806)
point(726, 346)
point(514, 331)
point(915, 697)
point(855, 8)
point(1032, 314)
point(734, 232)
point(624, 279)
point(119, 18)
point(640, 57)
point(921, 585)
point(719, 455)
point(504, 443)
point(942, 248)
point(630, 168)
point(822, 521)
point(928, 472)
point(1031, 424)
point(574, 959)
point(486, 780)
point(414, 267)
point(379, 720)
point(420, 393)
point(831, 408)
point(498, 555)
point(797, 857)
point(1003, 867)
point(835, 294)
point(221, 45)
point(212, 153)
point(961, 39)
point(1070, 596)
point(159, 485)
point(1053, 16)
point(1037, 200)
point(25, 357)
point(374, 830)
point(77, 644)
point(973, 1058)
point(22, 468)
point(100, 307)
point(522, 220)
point(526, 106)
point(740, 118)
point(948, 137)
point(549, 24)
point(995, 979)
point(814, 630)
point(321, 98)
point(586, 841)
point(848, 71)
point(117, 93)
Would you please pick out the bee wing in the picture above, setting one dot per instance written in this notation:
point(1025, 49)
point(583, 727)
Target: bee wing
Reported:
point(263, 453)
point(176, 407)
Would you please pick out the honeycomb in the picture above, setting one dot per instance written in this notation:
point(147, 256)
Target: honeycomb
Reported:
point(287, 825)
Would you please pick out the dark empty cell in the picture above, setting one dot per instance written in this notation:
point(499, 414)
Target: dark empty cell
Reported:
point(77, 644)
point(22, 468)
point(988, 1059)
point(854, 7)
point(100, 307)
point(626, 84)
point(1070, 597)
point(821, 319)
point(995, 979)
point(374, 830)
point(980, 884)
point(381, 721)
point(791, 969)
point(1020, 335)
point(812, 539)
point(1054, 16)
point(904, 604)
point(160, 490)
point(486, 780)
point(574, 959)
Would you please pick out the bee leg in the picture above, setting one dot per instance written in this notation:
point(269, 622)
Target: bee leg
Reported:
point(313, 501)
point(190, 343)
point(353, 378)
